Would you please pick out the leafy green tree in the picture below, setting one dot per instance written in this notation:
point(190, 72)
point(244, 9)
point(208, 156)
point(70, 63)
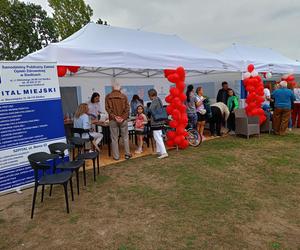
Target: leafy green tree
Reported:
point(70, 15)
point(24, 28)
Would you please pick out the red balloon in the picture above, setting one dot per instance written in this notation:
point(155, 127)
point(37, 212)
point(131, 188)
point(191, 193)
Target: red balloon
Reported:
point(181, 73)
point(182, 97)
point(171, 134)
point(173, 124)
point(177, 102)
point(169, 98)
point(250, 68)
point(61, 71)
point(180, 85)
point(174, 92)
point(178, 139)
point(176, 114)
point(290, 78)
point(182, 108)
point(180, 129)
point(170, 143)
point(173, 78)
point(73, 69)
point(168, 72)
point(169, 109)
point(184, 144)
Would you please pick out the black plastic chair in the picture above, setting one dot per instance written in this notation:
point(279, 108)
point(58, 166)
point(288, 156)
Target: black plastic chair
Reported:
point(59, 149)
point(40, 161)
point(79, 144)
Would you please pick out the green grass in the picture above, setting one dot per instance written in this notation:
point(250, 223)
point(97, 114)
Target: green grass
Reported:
point(229, 193)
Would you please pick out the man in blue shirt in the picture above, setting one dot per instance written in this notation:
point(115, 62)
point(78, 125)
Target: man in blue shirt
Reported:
point(283, 102)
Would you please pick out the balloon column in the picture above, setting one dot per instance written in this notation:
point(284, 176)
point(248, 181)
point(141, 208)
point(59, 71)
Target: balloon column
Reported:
point(62, 70)
point(290, 79)
point(177, 108)
point(255, 98)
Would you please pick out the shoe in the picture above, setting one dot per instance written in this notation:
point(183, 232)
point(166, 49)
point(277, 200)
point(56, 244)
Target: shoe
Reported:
point(290, 129)
point(116, 159)
point(138, 151)
point(156, 153)
point(127, 157)
point(163, 156)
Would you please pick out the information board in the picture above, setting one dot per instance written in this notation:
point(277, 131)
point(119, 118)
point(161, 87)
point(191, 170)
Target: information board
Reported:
point(30, 118)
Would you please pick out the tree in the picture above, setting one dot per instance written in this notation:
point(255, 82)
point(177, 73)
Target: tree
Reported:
point(24, 28)
point(70, 15)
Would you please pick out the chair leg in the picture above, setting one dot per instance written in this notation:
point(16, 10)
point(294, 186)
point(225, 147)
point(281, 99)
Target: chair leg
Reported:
point(98, 163)
point(50, 193)
point(33, 199)
point(66, 195)
point(77, 180)
point(71, 187)
point(94, 168)
point(43, 189)
point(84, 176)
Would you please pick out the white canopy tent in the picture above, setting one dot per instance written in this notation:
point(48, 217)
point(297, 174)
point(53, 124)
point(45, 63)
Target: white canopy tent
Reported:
point(118, 51)
point(264, 59)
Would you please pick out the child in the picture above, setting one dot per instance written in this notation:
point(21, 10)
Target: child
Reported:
point(140, 121)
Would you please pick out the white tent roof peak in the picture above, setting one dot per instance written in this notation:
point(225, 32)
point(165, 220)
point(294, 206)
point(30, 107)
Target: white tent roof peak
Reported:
point(264, 59)
point(111, 47)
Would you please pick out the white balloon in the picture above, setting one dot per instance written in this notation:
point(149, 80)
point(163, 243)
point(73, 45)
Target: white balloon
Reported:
point(247, 75)
point(254, 73)
point(268, 75)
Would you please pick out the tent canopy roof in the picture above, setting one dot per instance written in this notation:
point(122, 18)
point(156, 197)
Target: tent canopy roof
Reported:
point(111, 47)
point(264, 59)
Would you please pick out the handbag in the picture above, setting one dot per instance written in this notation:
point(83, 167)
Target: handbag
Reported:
point(159, 114)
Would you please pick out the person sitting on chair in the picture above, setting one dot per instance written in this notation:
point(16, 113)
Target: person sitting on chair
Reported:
point(81, 120)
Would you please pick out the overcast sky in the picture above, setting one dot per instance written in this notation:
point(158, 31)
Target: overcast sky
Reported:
point(209, 24)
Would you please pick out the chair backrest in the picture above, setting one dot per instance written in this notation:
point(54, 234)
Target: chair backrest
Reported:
point(38, 161)
point(240, 113)
point(79, 131)
point(59, 148)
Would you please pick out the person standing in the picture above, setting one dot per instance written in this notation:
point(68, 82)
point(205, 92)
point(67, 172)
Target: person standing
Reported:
point(220, 114)
point(135, 102)
point(156, 126)
point(232, 104)
point(191, 102)
point(201, 111)
point(296, 110)
point(139, 126)
point(223, 93)
point(284, 99)
point(117, 107)
point(94, 106)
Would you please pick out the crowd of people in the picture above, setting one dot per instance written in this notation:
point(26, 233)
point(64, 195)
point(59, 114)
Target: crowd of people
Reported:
point(277, 105)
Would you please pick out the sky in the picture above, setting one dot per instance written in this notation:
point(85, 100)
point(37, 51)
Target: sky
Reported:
point(208, 24)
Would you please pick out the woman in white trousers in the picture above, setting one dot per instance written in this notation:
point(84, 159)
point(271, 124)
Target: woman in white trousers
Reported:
point(156, 126)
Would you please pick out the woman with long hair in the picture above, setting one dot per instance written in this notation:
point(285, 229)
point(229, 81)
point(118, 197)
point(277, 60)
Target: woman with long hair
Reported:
point(201, 111)
point(157, 126)
point(191, 102)
point(232, 104)
point(94, 105)
point(135, 102)
point(81, 120)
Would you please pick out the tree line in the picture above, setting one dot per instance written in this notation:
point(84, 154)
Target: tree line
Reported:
point(26, 27)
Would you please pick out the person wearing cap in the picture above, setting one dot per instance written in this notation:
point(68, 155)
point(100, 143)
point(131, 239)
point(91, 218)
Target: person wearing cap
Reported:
point(283, 103)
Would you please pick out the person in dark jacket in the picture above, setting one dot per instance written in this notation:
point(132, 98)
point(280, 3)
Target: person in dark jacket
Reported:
point(223, 93)
point(156, 126)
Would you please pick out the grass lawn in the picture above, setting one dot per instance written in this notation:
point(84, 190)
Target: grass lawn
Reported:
point(230, 193)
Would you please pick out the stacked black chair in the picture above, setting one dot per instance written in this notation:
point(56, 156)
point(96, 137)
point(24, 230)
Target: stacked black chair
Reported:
point(40, 162)
point(59, 149)
point(79, 144)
